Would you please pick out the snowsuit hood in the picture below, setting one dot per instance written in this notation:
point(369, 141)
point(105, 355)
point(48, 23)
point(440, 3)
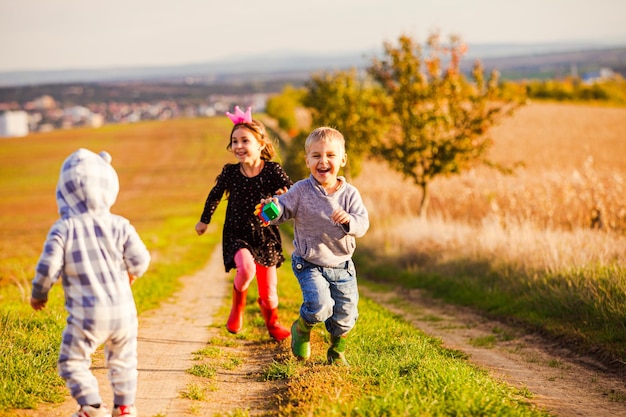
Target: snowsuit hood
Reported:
point(87, 184)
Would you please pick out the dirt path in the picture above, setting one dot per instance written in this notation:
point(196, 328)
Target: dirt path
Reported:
point(167, 338)
point(564, 383)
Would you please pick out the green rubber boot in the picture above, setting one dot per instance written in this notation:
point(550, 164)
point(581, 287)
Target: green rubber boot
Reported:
point(336, 351)
point(300, 339)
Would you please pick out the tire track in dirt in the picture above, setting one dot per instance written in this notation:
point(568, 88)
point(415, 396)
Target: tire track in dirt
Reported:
point(564, 383)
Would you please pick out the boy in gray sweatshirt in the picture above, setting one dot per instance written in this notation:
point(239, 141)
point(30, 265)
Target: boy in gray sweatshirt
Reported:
point(328, 215)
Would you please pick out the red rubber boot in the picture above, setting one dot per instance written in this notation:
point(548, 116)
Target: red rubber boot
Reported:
point(235, 319)
point(277, 331)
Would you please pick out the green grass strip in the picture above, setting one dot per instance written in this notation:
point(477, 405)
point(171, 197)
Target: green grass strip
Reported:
point(395, 370)
point(582, 307)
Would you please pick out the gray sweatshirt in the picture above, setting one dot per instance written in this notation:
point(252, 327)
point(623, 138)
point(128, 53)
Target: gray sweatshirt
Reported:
point(317, 238)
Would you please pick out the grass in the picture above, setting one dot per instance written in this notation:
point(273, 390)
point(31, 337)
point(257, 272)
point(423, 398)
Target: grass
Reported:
point(28, 365)
point(579, 301)
point(214, 357)
point(395, 370)
point(196, 392)
point(166, 169)
point(203, 370)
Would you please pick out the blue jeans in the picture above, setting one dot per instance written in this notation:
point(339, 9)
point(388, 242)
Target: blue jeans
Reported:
point(330, 294)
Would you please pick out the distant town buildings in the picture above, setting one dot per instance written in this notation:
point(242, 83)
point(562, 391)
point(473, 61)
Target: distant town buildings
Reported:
point(589, 78)
point(603, 74)
point(13, 123)
point(45, 113)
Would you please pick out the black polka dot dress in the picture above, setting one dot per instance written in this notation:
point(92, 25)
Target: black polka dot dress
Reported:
point(242, 228)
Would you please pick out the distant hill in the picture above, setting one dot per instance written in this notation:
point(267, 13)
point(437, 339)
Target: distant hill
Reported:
point(558, 64)
point(513, 62)
point(225, 71)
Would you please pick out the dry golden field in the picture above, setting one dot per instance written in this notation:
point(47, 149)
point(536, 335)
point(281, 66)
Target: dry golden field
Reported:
point(573, 174)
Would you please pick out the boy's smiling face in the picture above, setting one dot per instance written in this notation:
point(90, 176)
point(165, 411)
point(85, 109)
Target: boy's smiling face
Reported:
point(324, 159)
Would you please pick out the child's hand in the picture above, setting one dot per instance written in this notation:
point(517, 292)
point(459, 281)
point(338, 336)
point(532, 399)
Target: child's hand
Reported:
point(259, 208)
point(201, 228)
point(265, 201)
point(340, 216)
point(37, 304)
point(281, 191)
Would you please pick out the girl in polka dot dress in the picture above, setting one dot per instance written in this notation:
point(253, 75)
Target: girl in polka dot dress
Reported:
point(247, 245)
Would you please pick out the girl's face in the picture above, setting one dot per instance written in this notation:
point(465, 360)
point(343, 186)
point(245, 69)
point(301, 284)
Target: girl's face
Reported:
point(324, 159)
point(245, 146)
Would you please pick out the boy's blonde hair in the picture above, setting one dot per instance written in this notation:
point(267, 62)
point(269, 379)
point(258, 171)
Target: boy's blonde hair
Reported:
point(324, 134)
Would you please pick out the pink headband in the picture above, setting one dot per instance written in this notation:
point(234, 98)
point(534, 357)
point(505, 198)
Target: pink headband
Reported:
point(239, 116)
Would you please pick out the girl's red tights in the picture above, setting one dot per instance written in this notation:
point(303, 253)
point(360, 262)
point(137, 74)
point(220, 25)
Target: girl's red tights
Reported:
point(266, 277)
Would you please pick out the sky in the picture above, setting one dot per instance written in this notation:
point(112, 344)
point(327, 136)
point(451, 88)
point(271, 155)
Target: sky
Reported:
point(81, 34)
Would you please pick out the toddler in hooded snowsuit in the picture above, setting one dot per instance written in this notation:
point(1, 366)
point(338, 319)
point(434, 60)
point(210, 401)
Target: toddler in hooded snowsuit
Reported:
point(97, 255)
